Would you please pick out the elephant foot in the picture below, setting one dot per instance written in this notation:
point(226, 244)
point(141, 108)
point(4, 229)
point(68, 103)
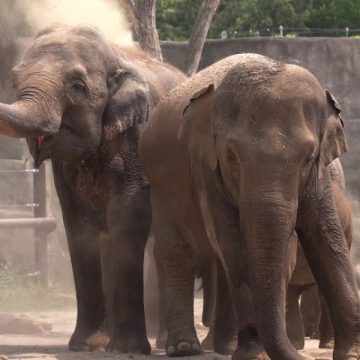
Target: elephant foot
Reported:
point(251, 352)
point(208, 342)
point(298, 344)
point(97, 341)
point(249, 346)
point(161, 340)
point(130, 344)
point(226, 346)
point(352, 353)
point(327, 344)
point(183, 348)
point(184, 343)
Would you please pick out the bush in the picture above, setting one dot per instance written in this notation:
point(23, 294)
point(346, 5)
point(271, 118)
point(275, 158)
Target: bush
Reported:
point(20, 292)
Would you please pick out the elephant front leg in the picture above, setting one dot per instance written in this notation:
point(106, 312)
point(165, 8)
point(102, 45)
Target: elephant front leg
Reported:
point(179, 264)
point(325, 247)
point(129, 221)
point(82, 233)
point(89, 333)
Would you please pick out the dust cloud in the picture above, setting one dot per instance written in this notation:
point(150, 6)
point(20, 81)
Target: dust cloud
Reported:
point(107, 15)
point(20, 20)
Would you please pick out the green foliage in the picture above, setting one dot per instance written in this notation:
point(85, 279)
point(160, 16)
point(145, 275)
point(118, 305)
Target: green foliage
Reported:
point(335, 14)
point(21, 293)
point(175, 18)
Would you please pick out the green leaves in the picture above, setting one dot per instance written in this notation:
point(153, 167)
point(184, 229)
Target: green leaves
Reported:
point(175, 18)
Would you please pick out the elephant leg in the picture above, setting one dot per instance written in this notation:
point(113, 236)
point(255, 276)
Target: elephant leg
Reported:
point(161, 338)
point(224, 327)
point(294, 324)
point(325, 247)
point(249, 345)
point(209, 281)
point(129, 219)
point(326, 331)
point(151, 289)
point(179, 264)
point(83, 235)
point(310, 312)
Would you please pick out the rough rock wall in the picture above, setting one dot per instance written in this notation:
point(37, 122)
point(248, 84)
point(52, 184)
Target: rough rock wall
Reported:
point(335, 61)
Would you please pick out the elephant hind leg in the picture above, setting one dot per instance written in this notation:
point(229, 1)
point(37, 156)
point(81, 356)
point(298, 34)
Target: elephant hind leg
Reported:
point(310, 312)
point(326, 331)
point(294, 323)
point(249, 344)
point(179, 263)
point(225, 339)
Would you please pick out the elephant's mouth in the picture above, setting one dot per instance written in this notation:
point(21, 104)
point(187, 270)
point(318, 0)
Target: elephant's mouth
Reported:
point(38, 150)
point(40, 140)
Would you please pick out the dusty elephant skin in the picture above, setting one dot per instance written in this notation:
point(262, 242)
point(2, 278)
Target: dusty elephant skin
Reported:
point(81, 102)
point(237, 158)
point(314, 312)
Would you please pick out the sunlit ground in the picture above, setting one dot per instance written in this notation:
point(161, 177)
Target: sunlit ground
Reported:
point(44, 335)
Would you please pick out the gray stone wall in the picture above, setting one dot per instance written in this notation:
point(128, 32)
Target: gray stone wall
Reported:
point(335, 62)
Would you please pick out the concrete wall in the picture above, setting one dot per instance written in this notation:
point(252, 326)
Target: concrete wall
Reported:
point(335, 61)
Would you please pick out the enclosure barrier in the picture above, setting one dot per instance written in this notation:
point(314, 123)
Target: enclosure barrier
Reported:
point(43, 223)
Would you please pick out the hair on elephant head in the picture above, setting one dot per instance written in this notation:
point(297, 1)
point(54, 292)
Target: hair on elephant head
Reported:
point(70, 85)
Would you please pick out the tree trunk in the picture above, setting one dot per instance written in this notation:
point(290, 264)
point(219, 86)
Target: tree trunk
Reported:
point(142, 15)
point(198, 36)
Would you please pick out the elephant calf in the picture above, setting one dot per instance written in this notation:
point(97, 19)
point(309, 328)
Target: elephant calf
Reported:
point(237, 159)
point(80, 102)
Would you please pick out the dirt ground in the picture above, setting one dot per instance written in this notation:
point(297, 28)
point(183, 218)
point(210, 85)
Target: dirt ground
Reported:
point(44, 335)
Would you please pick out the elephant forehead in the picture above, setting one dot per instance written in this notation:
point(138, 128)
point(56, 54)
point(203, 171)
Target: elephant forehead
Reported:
point(63, 49)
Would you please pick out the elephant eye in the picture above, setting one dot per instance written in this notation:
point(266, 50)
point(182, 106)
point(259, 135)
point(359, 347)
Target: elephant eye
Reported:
point(79, 86)
point(309, 159)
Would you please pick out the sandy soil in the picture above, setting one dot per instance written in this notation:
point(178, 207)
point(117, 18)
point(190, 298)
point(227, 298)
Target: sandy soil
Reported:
point(44, 335)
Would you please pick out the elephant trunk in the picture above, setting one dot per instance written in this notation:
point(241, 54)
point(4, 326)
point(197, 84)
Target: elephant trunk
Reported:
point(29, 119)
point(267, 220)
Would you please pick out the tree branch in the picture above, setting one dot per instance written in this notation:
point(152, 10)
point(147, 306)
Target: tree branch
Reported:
point(142, 15)
point(199, 34)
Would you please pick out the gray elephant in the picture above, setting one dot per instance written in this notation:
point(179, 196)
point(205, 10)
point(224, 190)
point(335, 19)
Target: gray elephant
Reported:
point(80, 101)
point(236, 158)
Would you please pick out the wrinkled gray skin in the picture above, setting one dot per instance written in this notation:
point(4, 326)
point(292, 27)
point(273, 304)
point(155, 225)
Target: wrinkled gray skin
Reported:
point(80, 102)
point(315, 312)
point(237, 157)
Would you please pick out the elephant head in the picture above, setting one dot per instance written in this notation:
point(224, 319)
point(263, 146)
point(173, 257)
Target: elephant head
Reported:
point(262, 137)
point(71, 85)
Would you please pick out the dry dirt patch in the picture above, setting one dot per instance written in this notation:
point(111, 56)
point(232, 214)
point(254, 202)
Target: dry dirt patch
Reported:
point(46, 334)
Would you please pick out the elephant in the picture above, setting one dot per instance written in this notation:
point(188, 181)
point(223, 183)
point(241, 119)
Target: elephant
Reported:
point(81, 101)
point(302, 282)
point(312, 317)
point(236, 158)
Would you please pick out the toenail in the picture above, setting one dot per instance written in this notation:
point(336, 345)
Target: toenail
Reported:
point(195, 346)
point(183, 345)
point(170, 349)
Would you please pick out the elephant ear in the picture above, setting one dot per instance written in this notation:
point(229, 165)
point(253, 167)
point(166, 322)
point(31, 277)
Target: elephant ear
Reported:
point(196, 126)
point(333, 143)
point(128, 105)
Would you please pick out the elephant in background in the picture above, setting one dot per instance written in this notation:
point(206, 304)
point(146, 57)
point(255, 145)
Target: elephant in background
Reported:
point(302, 278)
point(237, 159)
point(81, 102)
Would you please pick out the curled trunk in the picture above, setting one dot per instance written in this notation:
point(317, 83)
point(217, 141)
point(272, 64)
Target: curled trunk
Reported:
point(27, 119)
